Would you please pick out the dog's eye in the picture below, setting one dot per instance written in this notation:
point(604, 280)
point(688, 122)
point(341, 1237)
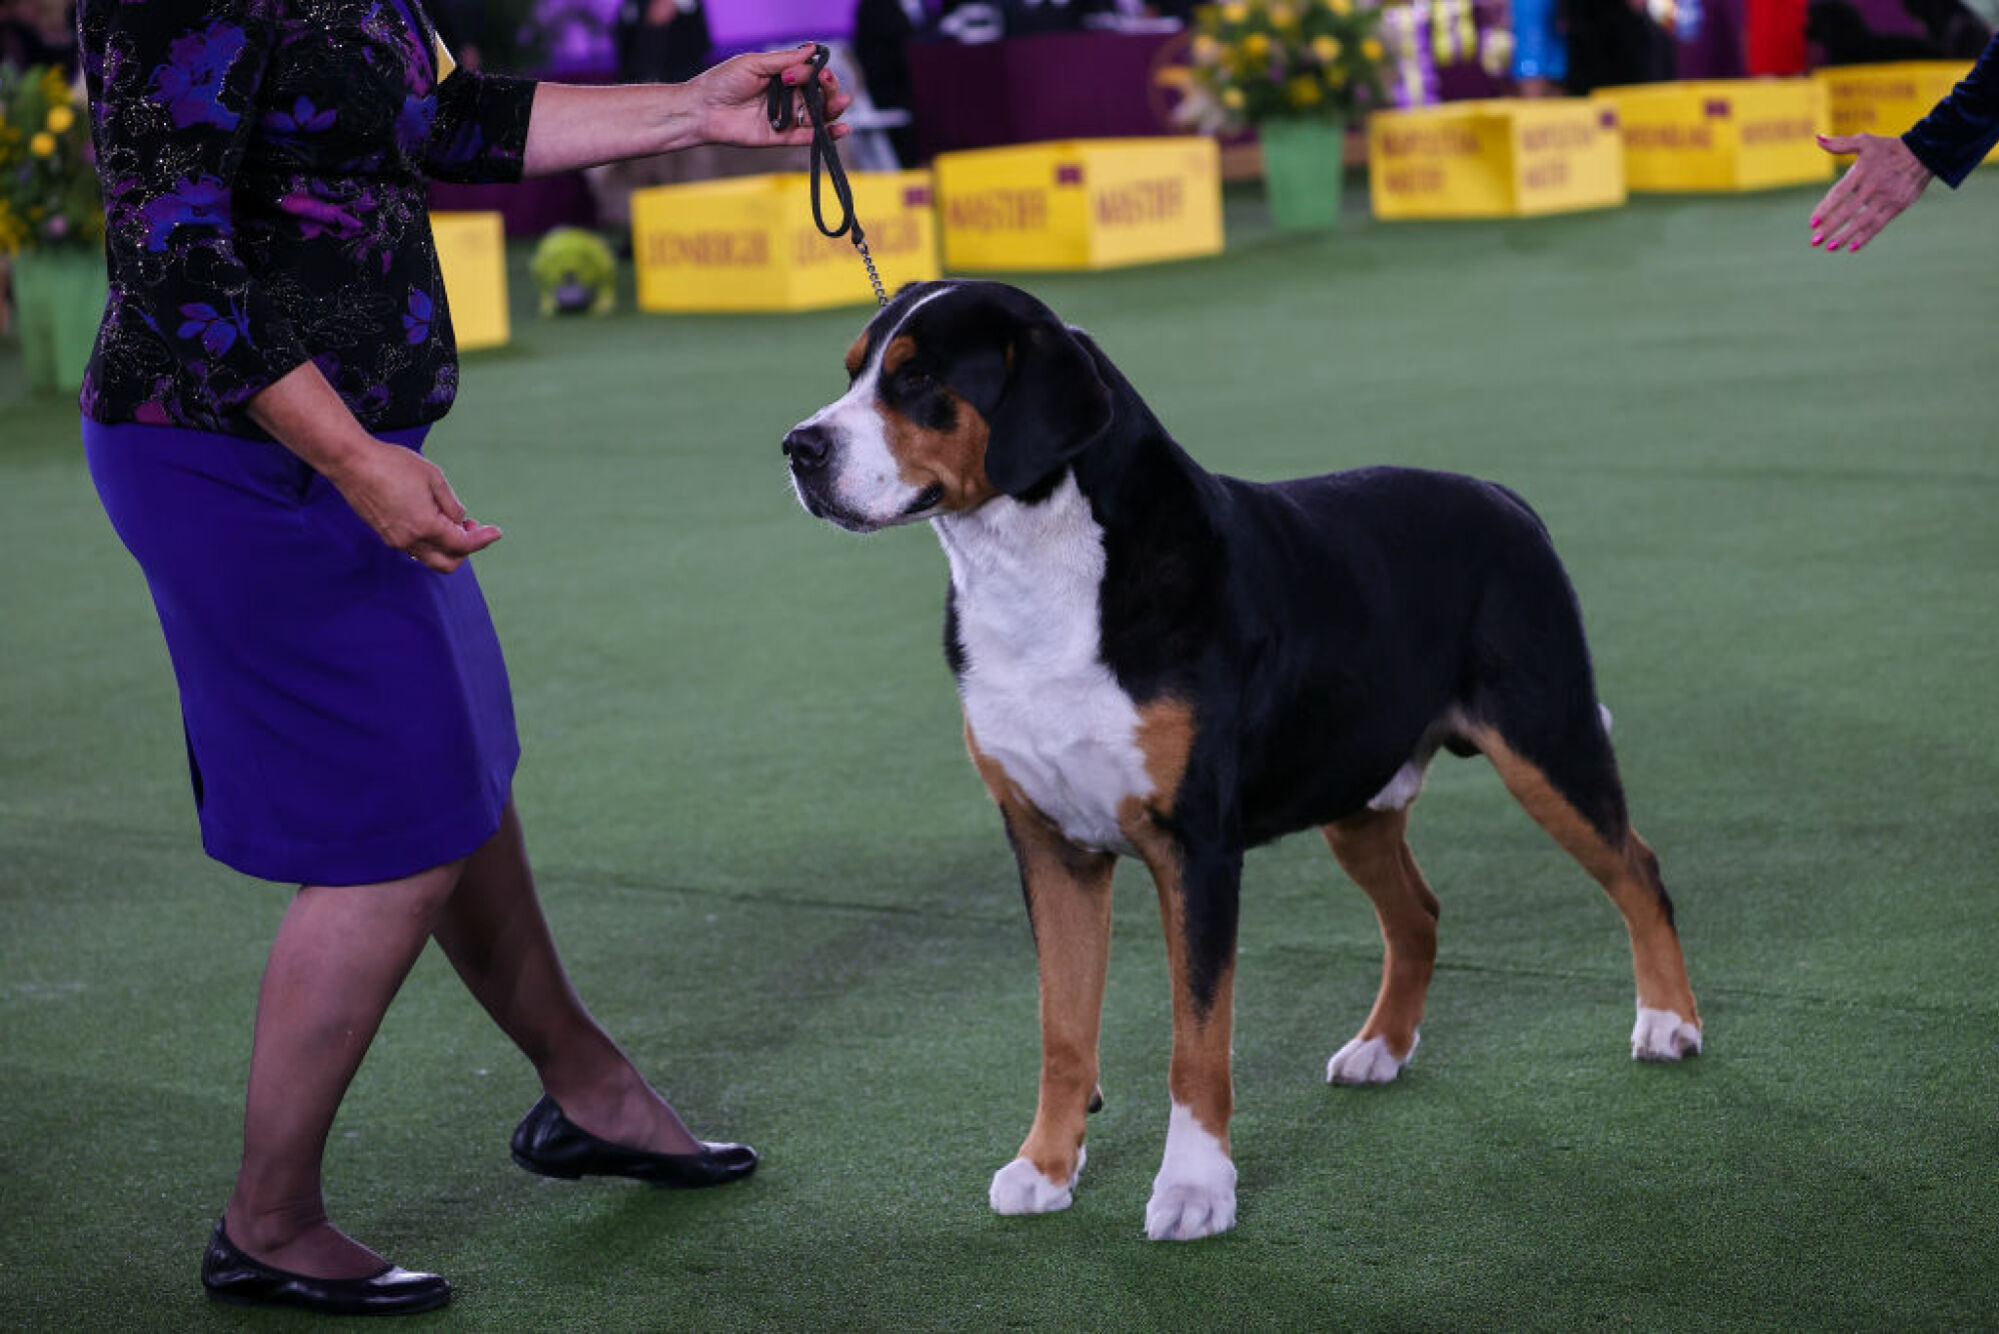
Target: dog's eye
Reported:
point(915, 382)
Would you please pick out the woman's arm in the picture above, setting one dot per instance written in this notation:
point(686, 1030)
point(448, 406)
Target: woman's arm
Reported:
point(581, 127)
point(173, 116)
point(399, 493)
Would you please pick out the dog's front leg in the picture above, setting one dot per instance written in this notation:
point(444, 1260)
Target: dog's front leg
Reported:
point(1194, 1193)
point(1068, 892)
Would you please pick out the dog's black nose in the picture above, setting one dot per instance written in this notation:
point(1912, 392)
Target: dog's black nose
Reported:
point(807, 448)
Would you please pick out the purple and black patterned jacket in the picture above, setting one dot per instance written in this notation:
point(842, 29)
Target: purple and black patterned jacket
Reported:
point(264, 166)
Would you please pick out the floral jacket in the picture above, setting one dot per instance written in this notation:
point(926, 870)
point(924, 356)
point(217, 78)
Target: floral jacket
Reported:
point(264, 166)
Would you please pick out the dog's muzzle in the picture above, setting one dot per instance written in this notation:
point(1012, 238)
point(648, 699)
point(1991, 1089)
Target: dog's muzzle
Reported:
point(810, 450)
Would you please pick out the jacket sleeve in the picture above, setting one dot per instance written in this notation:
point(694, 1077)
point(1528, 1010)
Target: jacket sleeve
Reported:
point(480, 134)
point(175, 110)
point(1961, 130)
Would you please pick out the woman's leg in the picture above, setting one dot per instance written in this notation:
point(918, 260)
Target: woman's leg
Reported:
point(338, 960)
point(493, 931)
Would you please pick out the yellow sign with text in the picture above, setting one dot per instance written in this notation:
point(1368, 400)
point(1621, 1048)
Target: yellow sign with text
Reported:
point(1080, 204)
point(472, 256)
point(1887, 99)
point(1720, 134)
point(1493, 159)
point(750, 243)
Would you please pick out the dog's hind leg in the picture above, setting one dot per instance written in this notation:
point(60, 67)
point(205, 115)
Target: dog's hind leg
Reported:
point(1582, 777)
point(1373, 848)
point(1068, 893)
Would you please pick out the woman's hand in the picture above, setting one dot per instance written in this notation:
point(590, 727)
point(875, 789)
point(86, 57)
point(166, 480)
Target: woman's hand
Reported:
point(405, 498)
point(398, 492)
point(728, 99)
point(1885, 178)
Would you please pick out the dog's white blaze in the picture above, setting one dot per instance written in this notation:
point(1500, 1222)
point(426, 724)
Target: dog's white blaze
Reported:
point(1194, 1193)
point(1039, 698)
point(868, 483)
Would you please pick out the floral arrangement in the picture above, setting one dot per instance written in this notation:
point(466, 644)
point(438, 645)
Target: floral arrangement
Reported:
point(1253, 61)
point(48, 182)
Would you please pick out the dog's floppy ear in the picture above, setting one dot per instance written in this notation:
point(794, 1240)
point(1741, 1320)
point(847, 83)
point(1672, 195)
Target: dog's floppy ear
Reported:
point(1053, 405)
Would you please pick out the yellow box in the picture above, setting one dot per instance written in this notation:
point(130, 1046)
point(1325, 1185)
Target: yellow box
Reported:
point(749, 243)
point(1080, 203)
point(1720, 134)
point(1493, 159)
point(1887, 99)
point(472, 255)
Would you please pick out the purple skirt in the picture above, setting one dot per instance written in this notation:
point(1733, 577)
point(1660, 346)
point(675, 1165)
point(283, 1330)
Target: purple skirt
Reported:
point(347, 711)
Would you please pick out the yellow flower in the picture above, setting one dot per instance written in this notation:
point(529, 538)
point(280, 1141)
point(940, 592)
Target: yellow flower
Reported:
point(60, 118)
point(1256, 46)
point(1340, 8)
point(1327, 49)
point(1234, 13)
point(1303, 91)
point(1232, 98)
point(1283, 15)
point(1206, 50)
point(1371, 48)
point(43, 144)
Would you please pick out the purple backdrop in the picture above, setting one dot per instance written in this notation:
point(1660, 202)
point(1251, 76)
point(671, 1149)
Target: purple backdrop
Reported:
point(581, 46)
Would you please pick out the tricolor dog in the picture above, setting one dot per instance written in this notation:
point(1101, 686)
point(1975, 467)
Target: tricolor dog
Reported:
point(1163, 663)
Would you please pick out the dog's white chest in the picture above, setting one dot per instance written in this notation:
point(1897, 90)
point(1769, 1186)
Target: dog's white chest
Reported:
point(1039, 699)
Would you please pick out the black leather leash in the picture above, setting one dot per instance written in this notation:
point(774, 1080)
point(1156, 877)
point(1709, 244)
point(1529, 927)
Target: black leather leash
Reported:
point(783, 115)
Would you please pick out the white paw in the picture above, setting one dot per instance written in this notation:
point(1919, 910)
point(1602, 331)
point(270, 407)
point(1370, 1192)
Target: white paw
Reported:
point(1189, 1212)
point(1369, 1062)
point(1194, 1193)
point(1019, 1188)
point(1661, 1035)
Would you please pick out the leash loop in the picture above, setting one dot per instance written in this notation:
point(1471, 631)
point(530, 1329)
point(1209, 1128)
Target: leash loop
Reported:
point(783, 115)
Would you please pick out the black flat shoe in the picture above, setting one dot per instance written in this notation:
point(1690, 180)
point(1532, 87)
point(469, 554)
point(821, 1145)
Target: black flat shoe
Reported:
point(231, 1276)
point(549, 1143)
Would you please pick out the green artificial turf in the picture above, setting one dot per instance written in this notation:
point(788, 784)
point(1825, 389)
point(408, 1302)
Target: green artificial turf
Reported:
point(778, 881)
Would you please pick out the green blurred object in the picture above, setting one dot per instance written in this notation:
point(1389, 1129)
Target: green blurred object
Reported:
point(575, 273)
point(1304, 171)
point(58, 301)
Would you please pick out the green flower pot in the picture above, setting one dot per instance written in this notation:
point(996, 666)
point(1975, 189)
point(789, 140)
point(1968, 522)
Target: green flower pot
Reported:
point(1304, 171)
point(58, 302)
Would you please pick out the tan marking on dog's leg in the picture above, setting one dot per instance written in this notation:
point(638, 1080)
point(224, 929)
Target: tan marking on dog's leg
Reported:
point(1373, 849)
point(1194, 1193)
point(1199, 1077)
point(1166, 739)
point(1629, 873)
point(1068, 892)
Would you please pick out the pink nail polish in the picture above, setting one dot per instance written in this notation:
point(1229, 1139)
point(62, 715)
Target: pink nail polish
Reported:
point(1817, 239)
point(1834, 246)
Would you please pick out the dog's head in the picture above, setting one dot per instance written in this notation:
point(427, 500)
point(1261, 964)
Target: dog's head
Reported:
point(958, 392)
